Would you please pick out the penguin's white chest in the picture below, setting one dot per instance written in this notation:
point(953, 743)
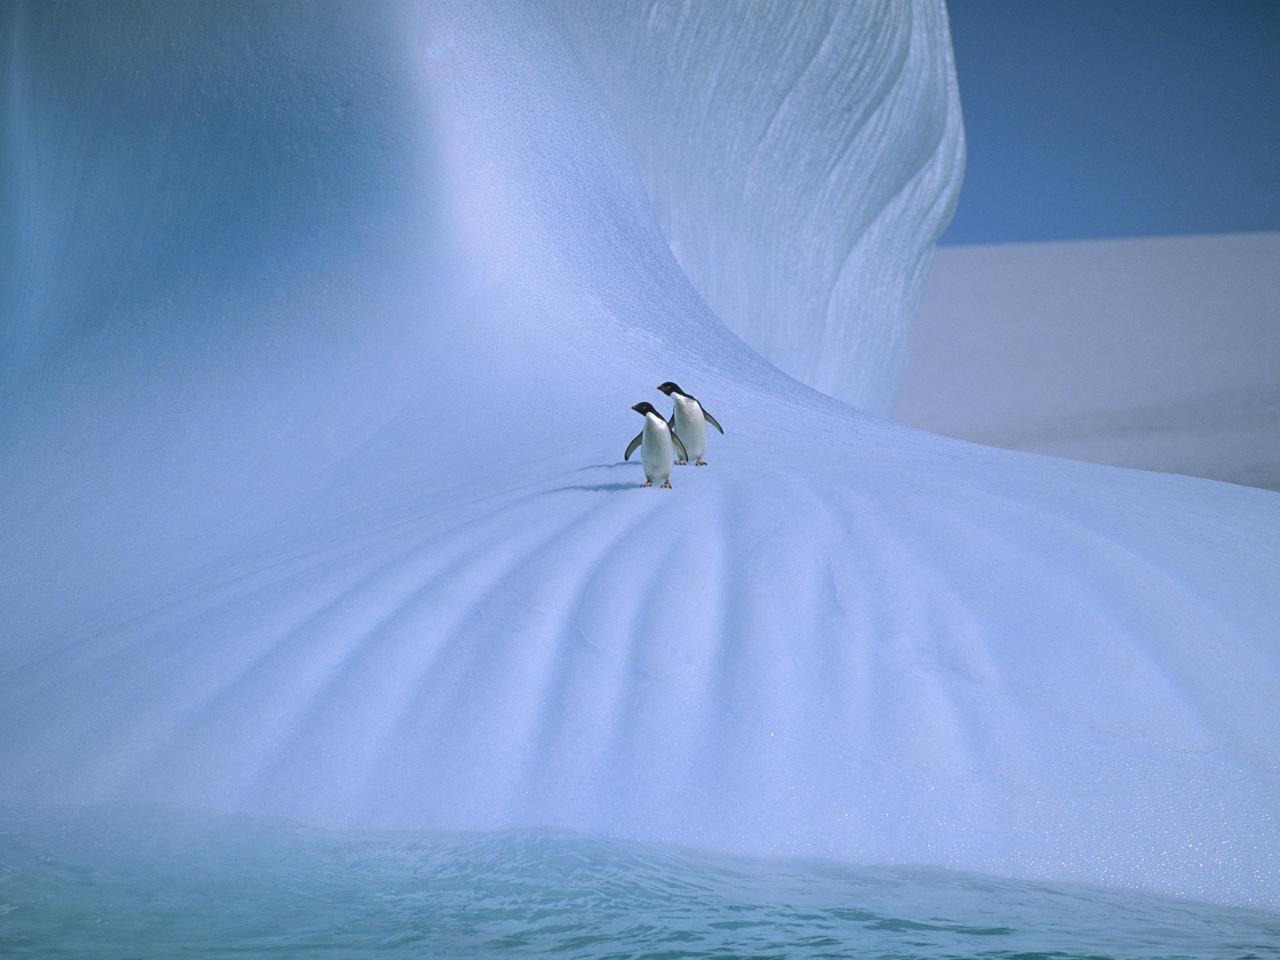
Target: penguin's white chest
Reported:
point(691, 427)
point(656, 449)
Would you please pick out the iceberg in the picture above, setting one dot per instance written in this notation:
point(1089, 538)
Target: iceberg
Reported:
point(322, 327)
point(1155, 352)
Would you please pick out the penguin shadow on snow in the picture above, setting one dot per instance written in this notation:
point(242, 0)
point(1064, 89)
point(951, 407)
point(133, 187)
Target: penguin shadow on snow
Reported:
point(600, 487)
point(597, 488)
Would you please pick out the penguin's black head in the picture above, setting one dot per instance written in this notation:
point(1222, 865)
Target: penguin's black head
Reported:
point(669, 388)
point(643, 407)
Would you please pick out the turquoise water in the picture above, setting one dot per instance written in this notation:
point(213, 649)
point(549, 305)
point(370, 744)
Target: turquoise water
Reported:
point(170, 884)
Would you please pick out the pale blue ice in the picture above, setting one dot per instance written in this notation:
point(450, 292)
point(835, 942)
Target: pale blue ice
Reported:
point(319, 330)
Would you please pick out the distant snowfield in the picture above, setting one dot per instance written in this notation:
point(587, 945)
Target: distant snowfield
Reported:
point(1158, 353)
point(314, 502)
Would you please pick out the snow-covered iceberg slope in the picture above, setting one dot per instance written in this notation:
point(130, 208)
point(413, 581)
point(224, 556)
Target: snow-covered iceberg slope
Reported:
point(314, 502)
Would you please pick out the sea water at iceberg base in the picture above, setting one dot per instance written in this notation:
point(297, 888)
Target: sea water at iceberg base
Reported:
point(131, 882)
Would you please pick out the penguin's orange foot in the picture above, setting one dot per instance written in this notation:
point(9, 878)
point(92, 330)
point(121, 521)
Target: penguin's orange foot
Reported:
point(682, 463)
point(700, 462)
point(647, 483)
point(666, 484)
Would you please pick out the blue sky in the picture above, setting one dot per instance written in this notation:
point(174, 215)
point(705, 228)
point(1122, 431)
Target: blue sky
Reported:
point(1117, 118)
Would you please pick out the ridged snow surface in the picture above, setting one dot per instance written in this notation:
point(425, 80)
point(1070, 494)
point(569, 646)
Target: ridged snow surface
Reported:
point(314, 502)
point(801, 161)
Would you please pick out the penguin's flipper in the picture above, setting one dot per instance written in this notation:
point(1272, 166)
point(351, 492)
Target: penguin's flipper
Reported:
point(684, 454)
point(631, 447)
point(712, 420)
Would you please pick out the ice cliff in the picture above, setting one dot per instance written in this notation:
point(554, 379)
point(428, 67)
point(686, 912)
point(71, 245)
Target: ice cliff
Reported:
point(321, 328)
point(801, 160)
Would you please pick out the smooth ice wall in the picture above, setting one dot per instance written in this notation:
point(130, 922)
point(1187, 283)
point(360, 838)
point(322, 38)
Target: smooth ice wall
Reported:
point(801, 160)
point(219, 235)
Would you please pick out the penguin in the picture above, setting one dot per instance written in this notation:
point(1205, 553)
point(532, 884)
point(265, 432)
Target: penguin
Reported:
point(690, 420)
point(655, 441)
